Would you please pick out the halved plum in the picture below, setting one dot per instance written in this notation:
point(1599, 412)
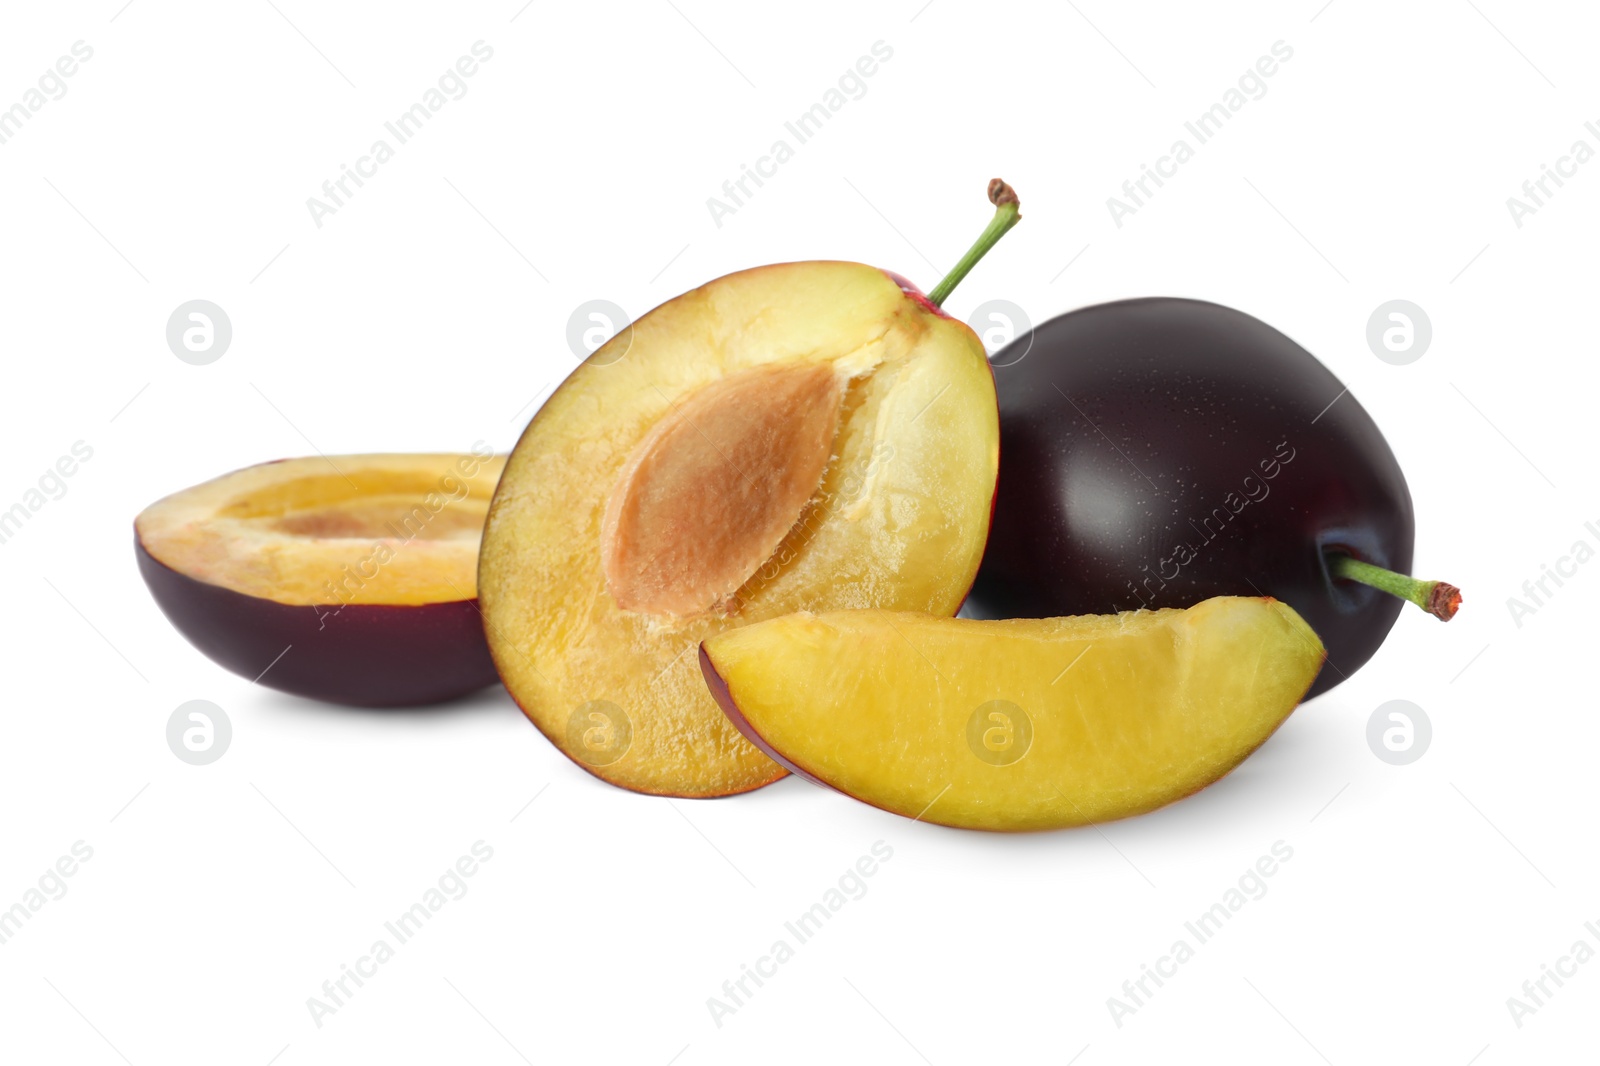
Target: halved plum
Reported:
point(805, 435)
point(350, 579)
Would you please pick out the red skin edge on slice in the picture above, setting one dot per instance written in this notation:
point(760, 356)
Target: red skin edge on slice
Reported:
point(361, 655)
point(592, 772)
point(724, 698)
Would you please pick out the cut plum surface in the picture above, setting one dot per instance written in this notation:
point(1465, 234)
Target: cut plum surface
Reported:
point(1022, 724)
point(351, 578)
point(714, 488)
point(288, 531)
point(799, 436)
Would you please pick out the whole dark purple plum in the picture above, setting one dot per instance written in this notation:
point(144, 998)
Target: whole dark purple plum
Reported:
point(1157, 452)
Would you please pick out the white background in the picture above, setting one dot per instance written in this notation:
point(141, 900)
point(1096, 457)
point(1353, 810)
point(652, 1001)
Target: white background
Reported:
point(431, 310)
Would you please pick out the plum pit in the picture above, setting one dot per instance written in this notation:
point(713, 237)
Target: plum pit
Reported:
point(712, 490)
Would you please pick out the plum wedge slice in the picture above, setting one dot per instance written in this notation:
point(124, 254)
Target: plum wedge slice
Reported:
point(1021, 724)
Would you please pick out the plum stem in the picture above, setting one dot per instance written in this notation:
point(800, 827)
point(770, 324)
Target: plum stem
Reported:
point(1439, 598)
point(1007, 212)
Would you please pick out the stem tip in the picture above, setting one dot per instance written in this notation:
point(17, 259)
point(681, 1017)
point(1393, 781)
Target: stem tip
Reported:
point(1444, 601)
point(1001, 194)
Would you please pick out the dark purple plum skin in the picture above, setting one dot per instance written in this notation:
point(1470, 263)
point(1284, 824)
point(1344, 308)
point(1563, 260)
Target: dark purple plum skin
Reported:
point(1123, 430)
point(363, 655)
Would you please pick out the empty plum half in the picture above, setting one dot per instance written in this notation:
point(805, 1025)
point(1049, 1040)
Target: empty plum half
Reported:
point(350, 579)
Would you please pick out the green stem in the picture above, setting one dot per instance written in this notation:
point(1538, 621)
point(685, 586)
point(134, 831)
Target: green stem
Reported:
point(1007, 212)
point(1439, 598)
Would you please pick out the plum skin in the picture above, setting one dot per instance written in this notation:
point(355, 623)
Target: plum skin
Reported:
point(718, 687)
point(1125, 427)
point(365, 655)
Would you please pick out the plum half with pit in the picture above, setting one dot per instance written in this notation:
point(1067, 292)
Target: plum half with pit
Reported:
point(800, 436)
point(1158, 452)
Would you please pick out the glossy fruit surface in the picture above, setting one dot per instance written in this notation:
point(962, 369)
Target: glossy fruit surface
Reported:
point(1158, 452)
point(797, 436)
point(349, 579)
point(1022, 724)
